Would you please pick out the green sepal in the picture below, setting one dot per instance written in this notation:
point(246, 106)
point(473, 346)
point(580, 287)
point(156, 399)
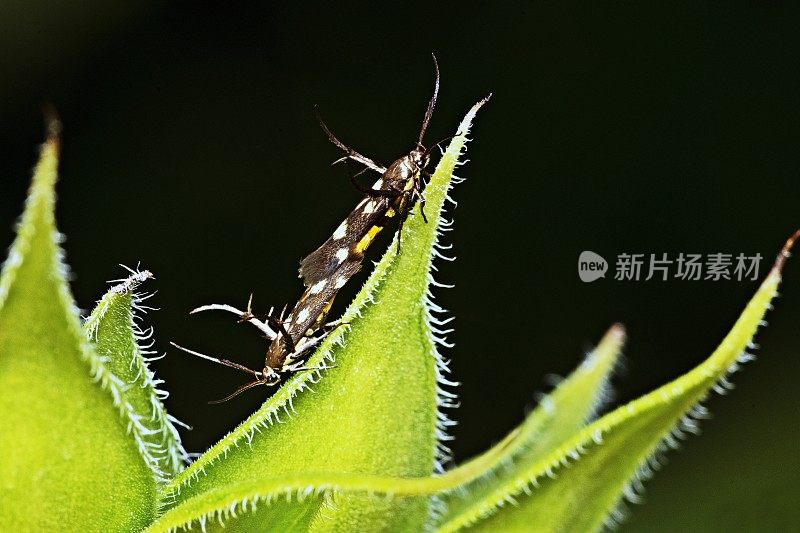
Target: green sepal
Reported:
point(68, 461)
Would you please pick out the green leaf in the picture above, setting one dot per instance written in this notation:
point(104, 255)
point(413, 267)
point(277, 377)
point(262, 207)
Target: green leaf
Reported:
point(114, 329)
point(376, 412)
point(86, 439)
point(68, 463)
point(283, 502)
point(578, 485)
point(558, 417)
point(299, 502)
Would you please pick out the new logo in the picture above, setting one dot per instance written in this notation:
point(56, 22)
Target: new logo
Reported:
point(591, 266)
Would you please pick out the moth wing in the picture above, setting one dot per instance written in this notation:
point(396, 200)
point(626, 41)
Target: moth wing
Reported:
point(325, 260)
point(317, 265)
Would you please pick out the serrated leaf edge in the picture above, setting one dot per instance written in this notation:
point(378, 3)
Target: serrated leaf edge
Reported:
point(577, 447)
point(244, 497)
point(42, 197)
point(165, 455)
point(506, 454)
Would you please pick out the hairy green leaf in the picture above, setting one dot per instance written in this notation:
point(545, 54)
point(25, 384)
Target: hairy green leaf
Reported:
point(86, 440)
point(558, 417)
point(114, 328)
point(67, 460)
point(299, 502)
point(577, 486)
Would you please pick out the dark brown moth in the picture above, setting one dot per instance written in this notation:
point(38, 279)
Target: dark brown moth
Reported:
point(328, 268)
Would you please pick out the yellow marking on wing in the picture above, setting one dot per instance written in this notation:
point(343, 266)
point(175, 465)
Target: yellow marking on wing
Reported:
point(321, 316)
point(367, 239)
point(390, 212)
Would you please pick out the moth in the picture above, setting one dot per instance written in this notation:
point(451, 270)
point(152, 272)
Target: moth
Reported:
point(328, 268)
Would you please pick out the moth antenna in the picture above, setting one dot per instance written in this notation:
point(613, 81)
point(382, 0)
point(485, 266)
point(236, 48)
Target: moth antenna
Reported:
point(331, 137)
point(238, 391)
point(431, 104)
point(225, 362)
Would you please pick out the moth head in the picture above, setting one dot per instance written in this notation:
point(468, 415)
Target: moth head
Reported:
point(420, 157)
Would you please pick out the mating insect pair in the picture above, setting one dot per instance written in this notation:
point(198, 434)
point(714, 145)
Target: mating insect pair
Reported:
point(326, 270)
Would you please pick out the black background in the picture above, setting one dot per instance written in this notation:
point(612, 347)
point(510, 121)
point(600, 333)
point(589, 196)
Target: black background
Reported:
point(190, 144)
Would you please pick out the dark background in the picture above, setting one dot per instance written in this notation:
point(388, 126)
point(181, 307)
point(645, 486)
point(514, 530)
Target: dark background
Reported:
point(190, 144)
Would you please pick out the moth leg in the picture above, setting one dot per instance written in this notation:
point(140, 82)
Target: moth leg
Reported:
point(351, 154)
point(244, 316)
point(400, 233)
point(418, 194)
point(332, 325)
point(402, 215)
point(296, 368)
point(287, 339)
point(374, 193)
point(311, 341)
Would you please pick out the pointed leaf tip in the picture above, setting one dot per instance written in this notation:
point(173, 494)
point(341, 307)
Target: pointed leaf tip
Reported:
point(613, 340)
point(64, 445)
point(121, 340)
point(785, 252)
point(52, 123)
point(579, 484)
point(560, 414)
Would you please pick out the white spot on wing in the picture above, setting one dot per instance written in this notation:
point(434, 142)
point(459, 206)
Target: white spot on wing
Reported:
point(340, 231)
point(340, 282)
point(378, 184)
point(302, 315)
point(370, 207)
point(318, 286)
point(341, 254)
